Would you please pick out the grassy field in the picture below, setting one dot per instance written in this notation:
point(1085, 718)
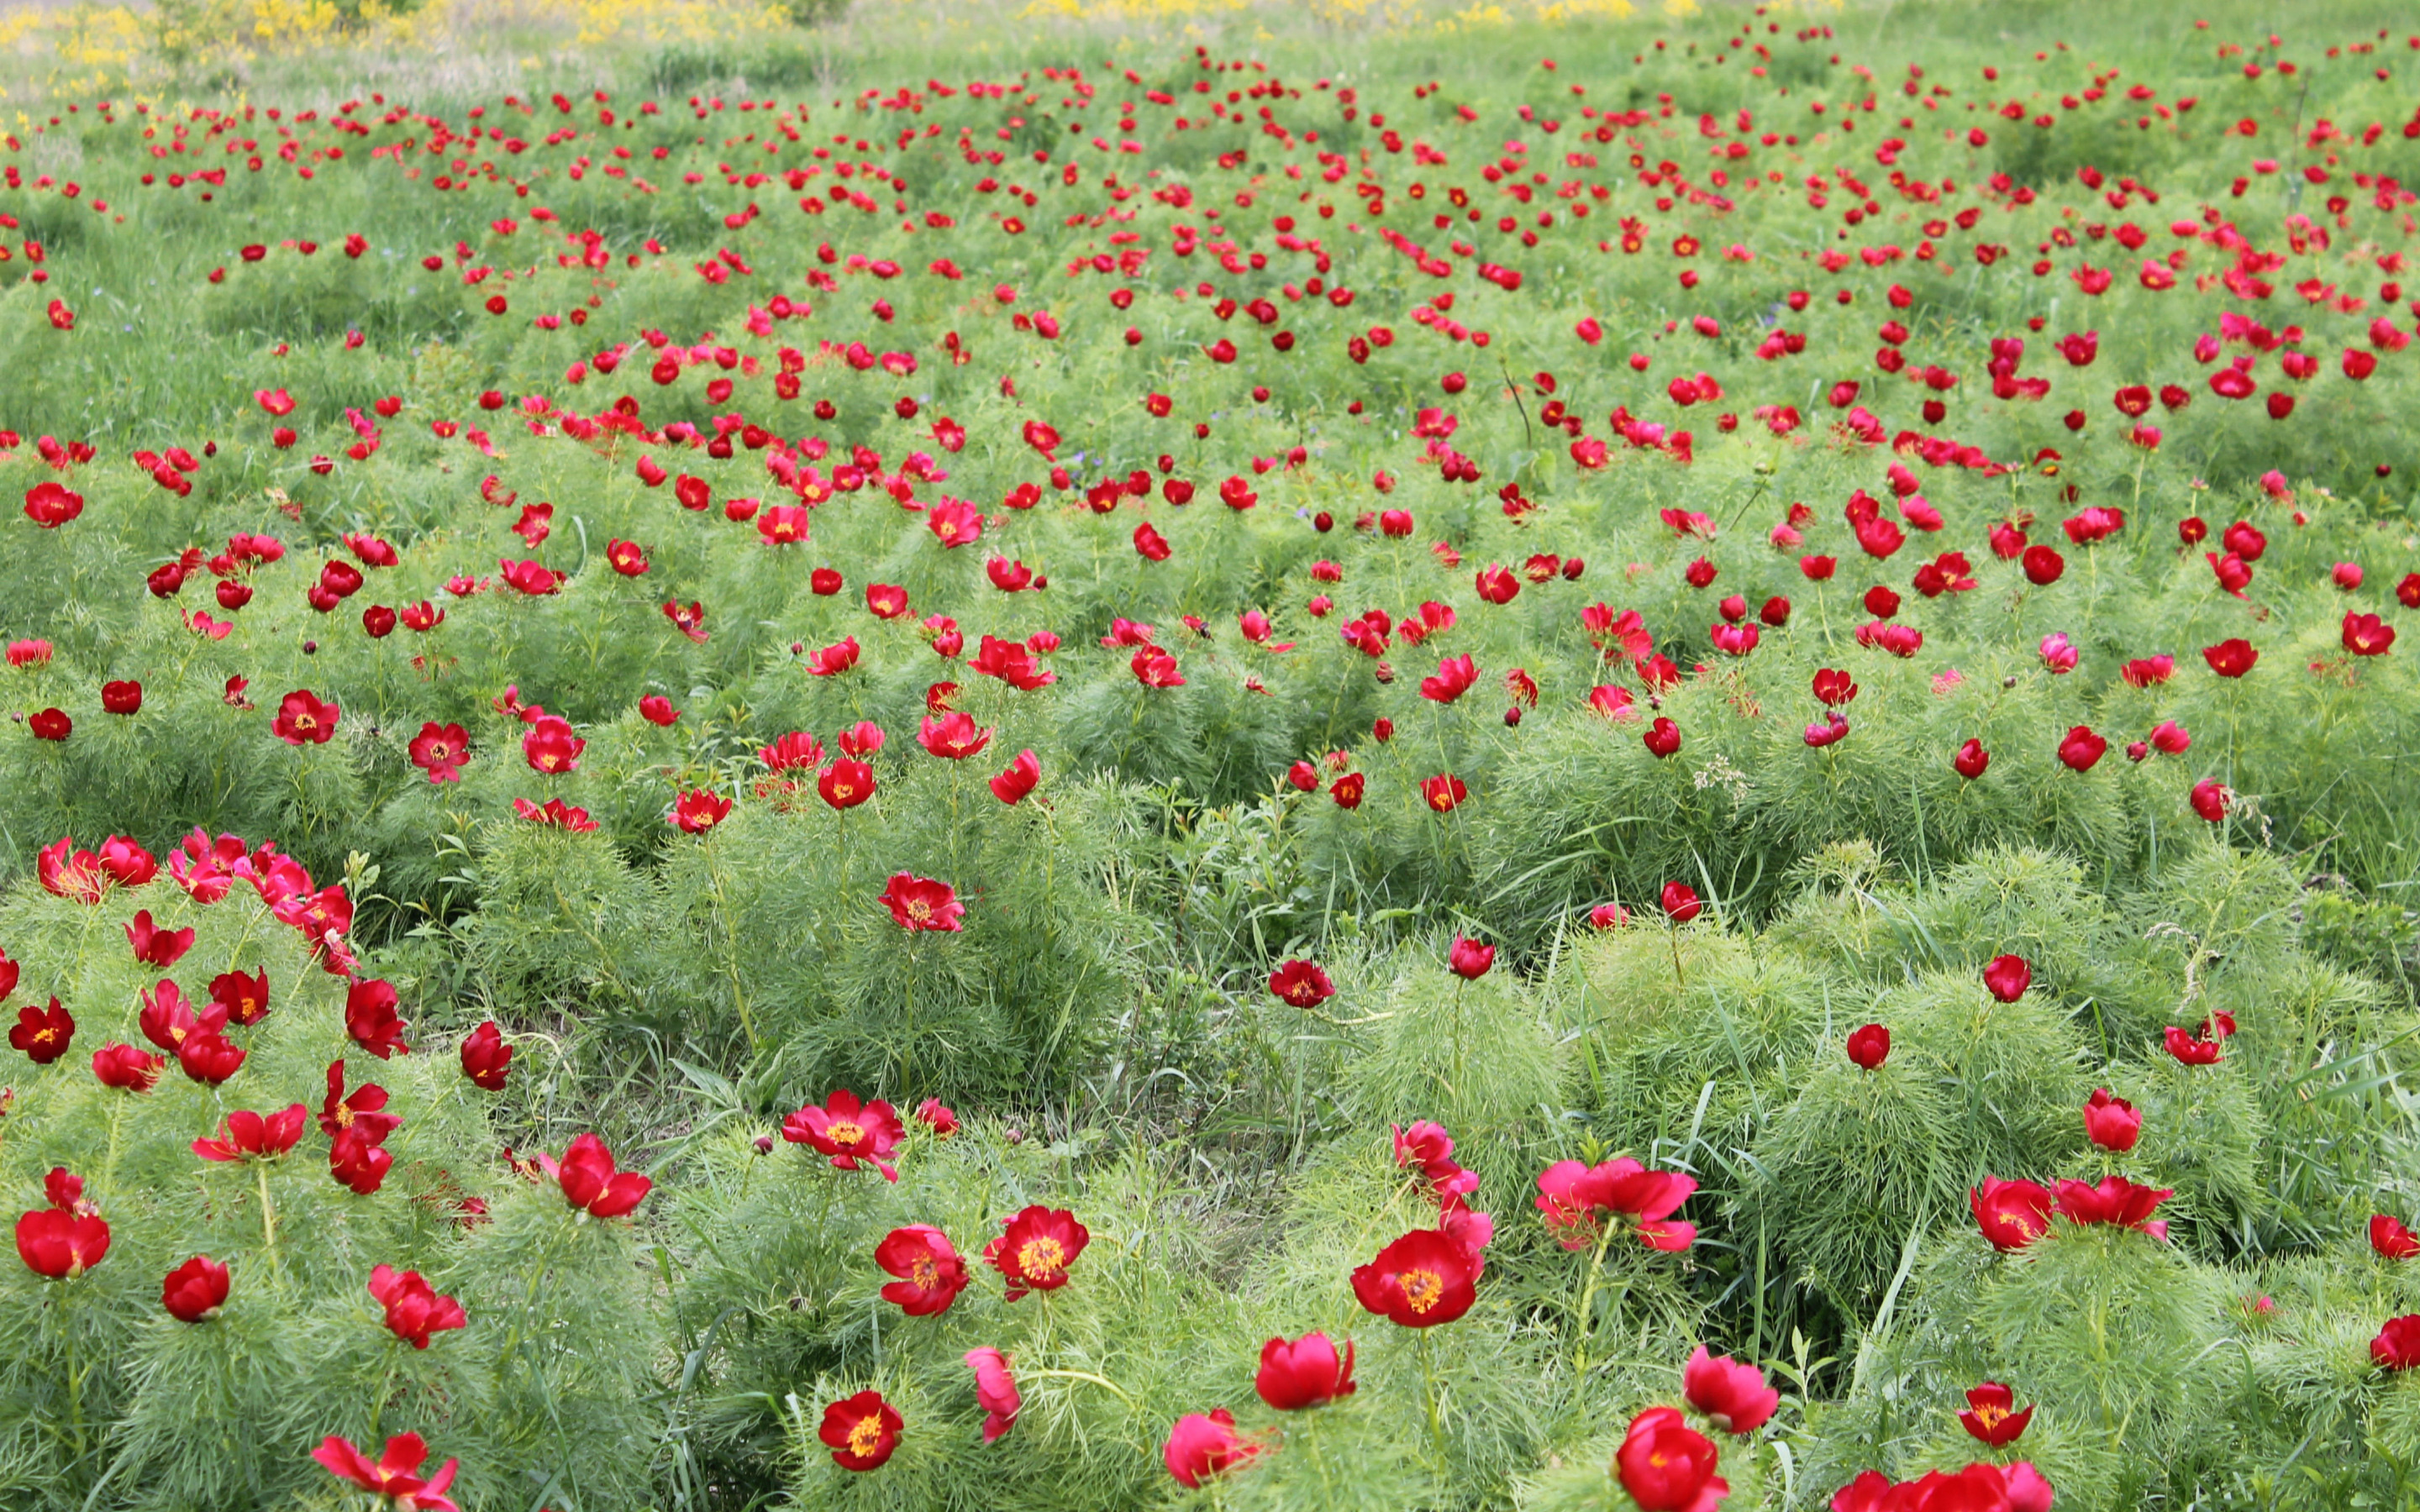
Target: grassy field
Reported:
point(854, 765)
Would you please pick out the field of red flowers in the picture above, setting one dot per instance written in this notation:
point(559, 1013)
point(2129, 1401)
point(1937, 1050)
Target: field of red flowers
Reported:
point(1655, 764)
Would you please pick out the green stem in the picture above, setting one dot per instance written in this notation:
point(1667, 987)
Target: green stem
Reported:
point(1587, 1323)
point(1429, 1395)
point(268, 1221)
point(1102, 1381)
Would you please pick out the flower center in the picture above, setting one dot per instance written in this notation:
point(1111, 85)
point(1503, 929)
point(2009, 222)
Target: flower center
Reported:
point(925, 1273)
point(841, 1131)
point(1041, 1259)
point(1991, 1416)
point(1422, 1289)
point(919, 909)
point(864, 1437)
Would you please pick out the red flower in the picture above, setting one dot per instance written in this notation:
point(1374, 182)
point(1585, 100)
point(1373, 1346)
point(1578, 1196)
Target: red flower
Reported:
point(952, 736)
point(845, 783)
point(1989, 1418)
point(50, 724)
point(1425, 1278)
point(886, 601)
point(1470, 959)
point(658, 710)
point(1444, 793)
point(395, 1476)
point(1347, 790)
point(1303, 1373)
point(195, 1289)
point(358, 1163)
point(1014, 784)
point(2008, 976)
point(848, 1132)
point(1662, 738)
point(441, 750)
point(2210, 800)
point(2112, 1123)
point(698, 810)
point(2366, 635)
point(2398, 1345)
point(50, 504)
point(1570, 1195)
point(1733, 1394)
point(360, 1114)
point(930, 1273)
point(1681, 902)
point(2043, 566)
point(1301, 983)
point(370, 1018)
point(121, 697)
point(486, 1059)
point(1035, 1249)
point(208, 1058)
point(936, 1115)
point(1667, 1466)
point(2081, 750)
point(627, 558)
point(922, 903)
point(591, 1184)
point(1870, 1047)
point(550, 746)
point(2391, 1240)
point(251, 1136)
point(1834, 689)
point(414, 1308)
point(1455, 677)
point(1154, 668)
point(1971, 760)
point(42, 1033)
point(66, 1238)
point(2012, 1214)
point(2114, 1201)
point(2231, 658)
point(122, 1065)
point(994, 1392)
point(304, 720)
point(688, 621)
point(1198, 1447)
point(2189, 1048)
point(555, 813)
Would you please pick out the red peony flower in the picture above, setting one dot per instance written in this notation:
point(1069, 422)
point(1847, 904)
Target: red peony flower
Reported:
point(2112, 1123)
point(1424, 1278)
point(41, 1033)
point(590, 1182)
point(441, 750)
point(486, 1060)
point(919, 903)
point(1869, 1047)
point(994, 1392)
point(1035, 1248)
point(250, 1136)
point(395, 1477)
point(1301, 983)
point(1198, 1447)
point(1733, 1394)
point(1303, 1373)
point(304, 720)
point(848, 1132)
point(698, 810)
point(2012, 1214)
point(2391, 1240)
point(1989, 1418)
point(195, 1289)
point(2008, 976)
point(414, 1308)
point(930, 1273)
point(1667, 1466)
